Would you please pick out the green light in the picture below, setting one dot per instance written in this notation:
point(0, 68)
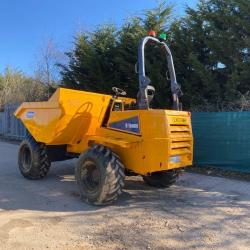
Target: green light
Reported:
point(163, 36)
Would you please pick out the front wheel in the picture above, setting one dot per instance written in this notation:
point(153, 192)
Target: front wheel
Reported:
point(100, 175)
point(161, 179)
point(33, 160)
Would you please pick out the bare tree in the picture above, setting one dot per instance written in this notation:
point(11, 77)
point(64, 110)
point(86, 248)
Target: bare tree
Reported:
point(46, 66)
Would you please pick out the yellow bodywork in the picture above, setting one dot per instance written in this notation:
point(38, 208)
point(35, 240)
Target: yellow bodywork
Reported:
point(75, 118)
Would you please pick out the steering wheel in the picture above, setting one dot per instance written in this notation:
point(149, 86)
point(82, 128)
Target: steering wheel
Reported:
point(119, 92)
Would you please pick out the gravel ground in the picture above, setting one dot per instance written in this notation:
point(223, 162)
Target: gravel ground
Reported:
point(199, 212)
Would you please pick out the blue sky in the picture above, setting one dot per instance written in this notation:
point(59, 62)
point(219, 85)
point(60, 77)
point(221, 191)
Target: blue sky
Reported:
point(26, 25)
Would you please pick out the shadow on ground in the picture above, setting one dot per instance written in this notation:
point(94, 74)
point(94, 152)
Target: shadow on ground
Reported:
point(196, 207)
point(58, 192)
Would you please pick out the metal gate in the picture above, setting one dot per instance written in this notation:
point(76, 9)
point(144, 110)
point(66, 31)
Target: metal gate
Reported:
point(10, 127)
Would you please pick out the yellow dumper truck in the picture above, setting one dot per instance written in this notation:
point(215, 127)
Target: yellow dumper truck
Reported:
point(110, 134)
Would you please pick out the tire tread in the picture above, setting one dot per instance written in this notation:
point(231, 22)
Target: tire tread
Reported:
point(114, 174)
point(41, 163)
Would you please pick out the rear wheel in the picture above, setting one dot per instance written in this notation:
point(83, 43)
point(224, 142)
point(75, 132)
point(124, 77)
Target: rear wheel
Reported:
point(33, 160)
point(99, 175)
point(161, 179)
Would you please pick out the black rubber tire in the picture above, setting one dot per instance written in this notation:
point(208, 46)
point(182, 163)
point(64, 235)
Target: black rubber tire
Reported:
point(162, 179)
point(33, 160)
point(109, 175)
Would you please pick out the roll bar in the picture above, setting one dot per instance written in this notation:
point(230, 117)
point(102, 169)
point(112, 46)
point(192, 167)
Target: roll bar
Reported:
point(144, 81)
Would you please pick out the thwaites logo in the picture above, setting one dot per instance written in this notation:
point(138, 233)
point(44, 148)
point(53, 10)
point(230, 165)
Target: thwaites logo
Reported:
point(30, 114)
point(131, 125)
point(128, 125)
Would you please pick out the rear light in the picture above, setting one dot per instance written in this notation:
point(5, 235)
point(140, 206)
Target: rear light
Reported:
point(175, 159)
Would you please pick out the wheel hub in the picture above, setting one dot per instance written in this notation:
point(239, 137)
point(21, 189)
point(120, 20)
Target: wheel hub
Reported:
point(91, 176)
point(26, 159)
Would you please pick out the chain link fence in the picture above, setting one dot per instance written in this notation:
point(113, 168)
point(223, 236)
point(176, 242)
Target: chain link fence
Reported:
point(222, 139)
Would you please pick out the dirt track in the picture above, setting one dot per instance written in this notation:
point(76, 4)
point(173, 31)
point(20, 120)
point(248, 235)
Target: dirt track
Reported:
point(199, 212)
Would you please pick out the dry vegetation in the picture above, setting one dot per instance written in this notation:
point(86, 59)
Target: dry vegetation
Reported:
point(16, 88)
